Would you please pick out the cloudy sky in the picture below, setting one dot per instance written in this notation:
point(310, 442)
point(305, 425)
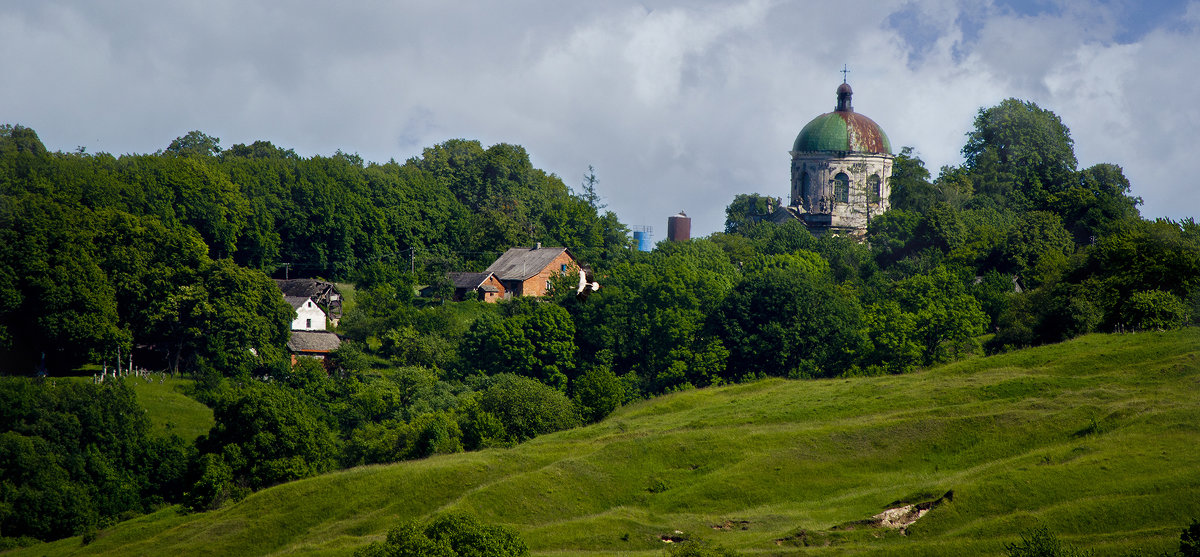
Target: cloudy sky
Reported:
point(677, 105)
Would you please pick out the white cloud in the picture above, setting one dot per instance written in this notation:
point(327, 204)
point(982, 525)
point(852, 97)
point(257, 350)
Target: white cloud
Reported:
point(678, 105)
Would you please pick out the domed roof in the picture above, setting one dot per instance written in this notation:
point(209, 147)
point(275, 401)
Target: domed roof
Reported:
point(843, 130)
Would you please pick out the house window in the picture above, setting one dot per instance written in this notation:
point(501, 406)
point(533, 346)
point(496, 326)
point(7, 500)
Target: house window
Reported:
point(564, 267)
point(841, 187)
point(308, 323)
point(873, 189)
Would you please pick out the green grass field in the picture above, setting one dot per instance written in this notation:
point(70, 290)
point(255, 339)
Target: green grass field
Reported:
point(1098, 439)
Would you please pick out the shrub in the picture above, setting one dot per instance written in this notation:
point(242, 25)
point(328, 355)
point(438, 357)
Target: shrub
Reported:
point(448, 535)
point(1155, 310)
point(597, 392)
point(526, 407)
point(1039, 542)
point(1189, 540)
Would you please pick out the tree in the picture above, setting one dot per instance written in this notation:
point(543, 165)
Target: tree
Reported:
point(1154, 310)
point(1019, 154)
point(15, 139)
point(946, 318)
point(597, 392)
point(747, 210)
point(1189, 540)
point(75, 456)
point(588, 193)
point(648, 317)
point(533, 339)
point(910, 186)
point(195, 143)
point(1096, 202)
point(526, 407)
point(268, 435)
point(788, 321)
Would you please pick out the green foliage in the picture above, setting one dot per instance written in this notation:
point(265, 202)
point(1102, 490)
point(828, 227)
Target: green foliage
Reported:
point(647, 319)
point(1189, 540)
point(910, 186)
point(1020, 154)
point(1039, 542)
point(787, 321)
point(18, 139)
point(448, 535)
point(946, 318)
point(531, 339)
point(526, 408)
point(1154, 310)
point(746, 211)
point(693, 548)
point(195, 143)
point(76, 455)
point(266, 434)
point(597, 392)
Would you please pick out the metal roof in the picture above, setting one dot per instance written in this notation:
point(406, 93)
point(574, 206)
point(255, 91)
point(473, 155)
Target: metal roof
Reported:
point(843, 130)
point(522, 263)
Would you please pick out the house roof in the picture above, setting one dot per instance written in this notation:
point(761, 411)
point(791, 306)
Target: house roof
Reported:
point(313, 341)
point(470, 281)
point(522, 263)
point(304, 287)
point(295, 301)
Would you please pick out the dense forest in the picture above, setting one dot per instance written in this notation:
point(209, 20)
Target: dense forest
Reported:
point(102, 255)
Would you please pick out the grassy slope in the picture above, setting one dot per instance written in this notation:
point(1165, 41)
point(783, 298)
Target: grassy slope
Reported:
point(169, 410)
point(1098, 438)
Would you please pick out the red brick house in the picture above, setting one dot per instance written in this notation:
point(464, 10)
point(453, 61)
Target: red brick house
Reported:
point(527, 271)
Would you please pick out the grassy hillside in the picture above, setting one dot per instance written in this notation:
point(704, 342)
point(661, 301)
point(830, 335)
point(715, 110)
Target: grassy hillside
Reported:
point(1097, 438)
point(169, 409)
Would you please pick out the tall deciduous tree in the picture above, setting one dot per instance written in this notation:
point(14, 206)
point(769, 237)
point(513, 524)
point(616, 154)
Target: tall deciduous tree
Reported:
point(789, 319)
point(1020, 154)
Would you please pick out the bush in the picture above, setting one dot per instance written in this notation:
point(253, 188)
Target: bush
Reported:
point(597, 392)
point(1041, 543)
point(699, 549)
point(526, 407)
point(448, 535)
point(1189, 540)
point(1155, 310)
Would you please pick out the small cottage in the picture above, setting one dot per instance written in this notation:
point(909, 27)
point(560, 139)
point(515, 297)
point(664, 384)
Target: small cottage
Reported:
point(527, 271)
point(323, 293)
point(309, 316)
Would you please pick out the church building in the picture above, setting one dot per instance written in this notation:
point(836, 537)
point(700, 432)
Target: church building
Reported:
point(841, 166)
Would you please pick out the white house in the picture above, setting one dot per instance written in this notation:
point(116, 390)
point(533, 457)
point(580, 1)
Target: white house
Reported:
point(309, 316)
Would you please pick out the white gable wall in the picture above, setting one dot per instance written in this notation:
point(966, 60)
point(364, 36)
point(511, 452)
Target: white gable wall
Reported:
point(309, 317)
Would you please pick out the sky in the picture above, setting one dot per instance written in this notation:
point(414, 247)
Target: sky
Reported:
point(676, 105)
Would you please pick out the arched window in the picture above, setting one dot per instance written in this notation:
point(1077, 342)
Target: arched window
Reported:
point(873, 190)
point(805, 193)
point(841, 188)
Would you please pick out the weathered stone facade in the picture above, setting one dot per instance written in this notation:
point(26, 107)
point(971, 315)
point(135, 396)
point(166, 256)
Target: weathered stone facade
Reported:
point(839, 193)
point(841, 172)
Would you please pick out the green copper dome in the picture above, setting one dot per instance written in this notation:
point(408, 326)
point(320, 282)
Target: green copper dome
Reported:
point(843, 130)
